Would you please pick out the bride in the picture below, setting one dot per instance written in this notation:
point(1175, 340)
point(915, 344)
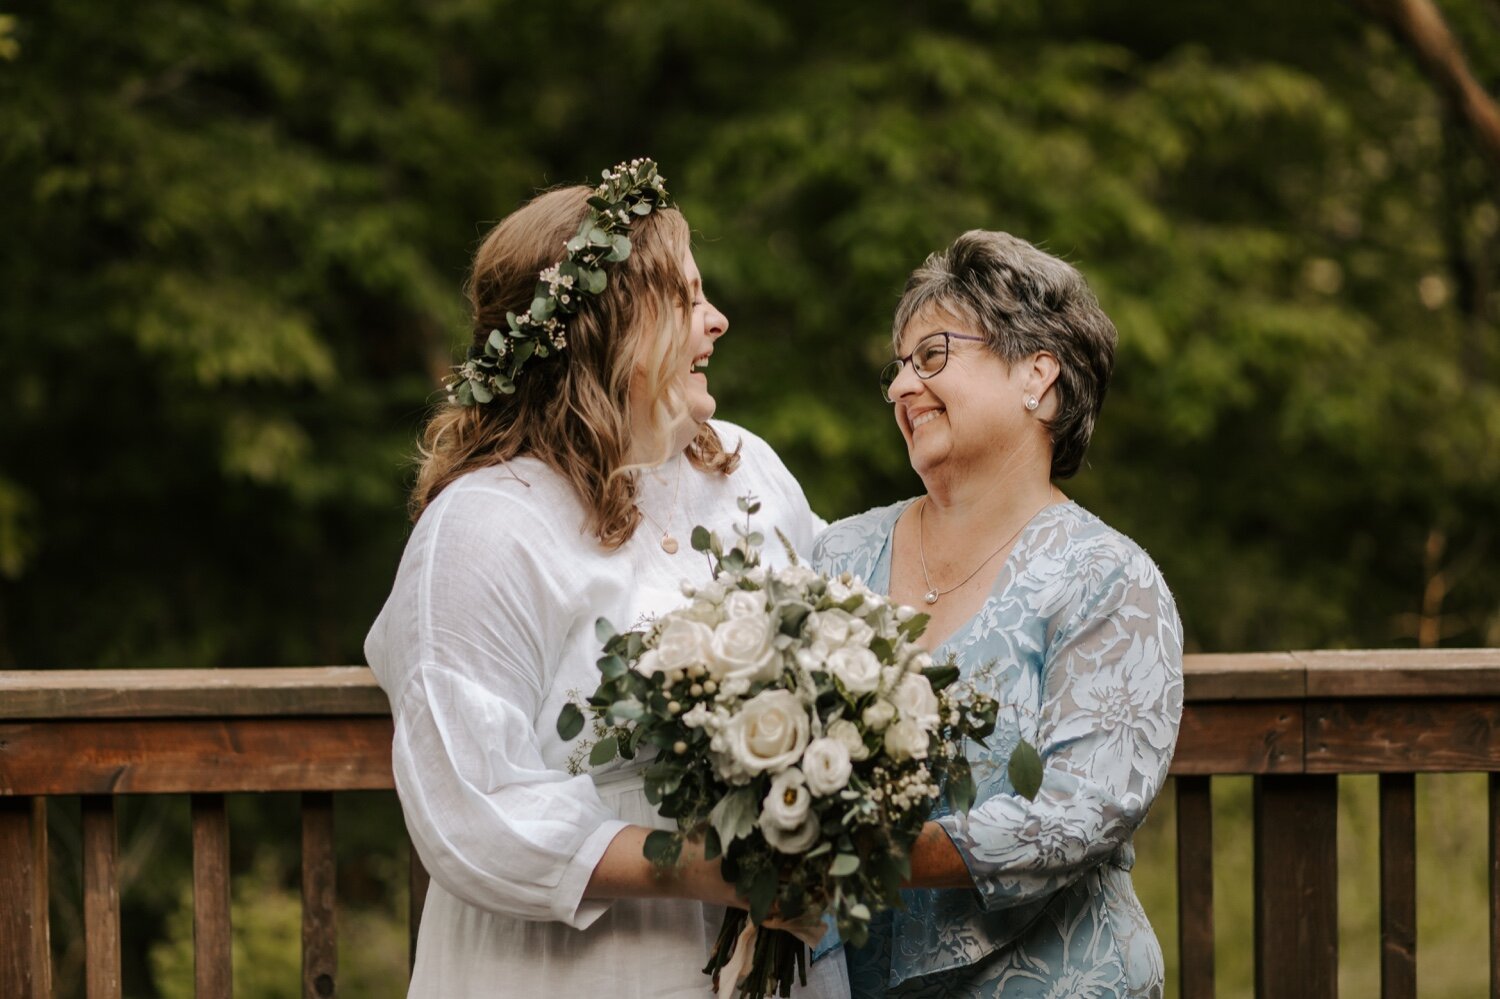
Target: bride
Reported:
point(558, 485)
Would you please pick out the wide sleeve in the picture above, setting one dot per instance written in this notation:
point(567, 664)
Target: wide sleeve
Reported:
point(1111, 701)
point(492, 822)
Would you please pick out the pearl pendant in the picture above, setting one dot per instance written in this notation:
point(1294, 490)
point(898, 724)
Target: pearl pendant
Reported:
point(931, 596)
point(669, 544)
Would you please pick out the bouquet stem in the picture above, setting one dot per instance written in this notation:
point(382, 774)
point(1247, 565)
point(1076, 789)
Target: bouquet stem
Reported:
point(776, 957)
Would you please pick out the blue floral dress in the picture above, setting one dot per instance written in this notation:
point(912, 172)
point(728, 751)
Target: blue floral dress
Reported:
point(1080, 638)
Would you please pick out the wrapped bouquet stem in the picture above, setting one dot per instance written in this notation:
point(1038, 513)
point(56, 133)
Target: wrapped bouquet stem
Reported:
point(793, 723)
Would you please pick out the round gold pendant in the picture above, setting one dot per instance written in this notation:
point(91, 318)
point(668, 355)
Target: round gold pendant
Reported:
point(669, 544)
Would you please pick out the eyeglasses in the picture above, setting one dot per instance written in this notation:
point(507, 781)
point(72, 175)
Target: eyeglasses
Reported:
point(929, 357)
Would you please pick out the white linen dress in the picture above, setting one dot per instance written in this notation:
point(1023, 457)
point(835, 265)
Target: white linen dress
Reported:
point(488, 630)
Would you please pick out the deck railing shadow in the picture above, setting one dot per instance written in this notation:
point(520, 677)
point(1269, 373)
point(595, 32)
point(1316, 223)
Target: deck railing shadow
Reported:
point(1294, 721)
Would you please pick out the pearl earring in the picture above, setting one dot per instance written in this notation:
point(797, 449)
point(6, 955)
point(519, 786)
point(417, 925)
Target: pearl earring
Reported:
point(1031, 402)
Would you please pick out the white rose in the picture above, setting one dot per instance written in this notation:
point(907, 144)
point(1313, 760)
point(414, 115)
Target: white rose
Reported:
point(826, 766)
point(878, 715)
point(744, 603)
point(683, 643)
point(795, 841)
point(906, 740)
point(857, 669)
point(799, 576)
point(742, 648)
point(916, 702)
point(649, 663)
point(788, 802)
point(769, 733)
point(860, 633)
point(830, 627)
point(848, 734)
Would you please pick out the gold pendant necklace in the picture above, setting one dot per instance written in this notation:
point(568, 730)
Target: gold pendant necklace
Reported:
point(933, 593)
point(668, 543)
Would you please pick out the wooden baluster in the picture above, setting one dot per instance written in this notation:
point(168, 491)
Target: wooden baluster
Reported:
point(1296, 886)
point(320, 944)
point(101, 897)
point(417, 877)
point(25, 946)
point(212, 955)
point(1494, 838)
point(1195, 888)
point(1398, 886)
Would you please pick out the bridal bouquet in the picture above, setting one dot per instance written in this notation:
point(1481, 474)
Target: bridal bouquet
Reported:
point(799, 732)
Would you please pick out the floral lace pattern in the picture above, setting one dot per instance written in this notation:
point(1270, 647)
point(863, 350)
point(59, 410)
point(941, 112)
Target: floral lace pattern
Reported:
point(1081, 637)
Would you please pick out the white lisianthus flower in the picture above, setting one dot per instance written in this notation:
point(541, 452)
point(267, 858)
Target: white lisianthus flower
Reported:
point(906, 740)
point(743, 648)
point(839, 591)
point(918, 662)
point(905, 613)
point(787, 803)
point(768, 734)
point(826, 766)
point(846, 732)
point(878, 715)
point(916, 702)
point(856, 668)
point(744, 603)
point(682, 643)
point(794, 841)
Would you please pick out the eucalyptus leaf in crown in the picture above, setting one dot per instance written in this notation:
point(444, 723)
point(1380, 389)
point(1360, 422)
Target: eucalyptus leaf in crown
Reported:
point(630, 191)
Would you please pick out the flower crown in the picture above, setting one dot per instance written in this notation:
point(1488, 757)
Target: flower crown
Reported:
point(629, 191)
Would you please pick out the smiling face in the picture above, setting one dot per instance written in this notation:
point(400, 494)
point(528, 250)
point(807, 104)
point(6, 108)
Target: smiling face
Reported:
point(958, 418)
point(669, 395)
point(705, 327)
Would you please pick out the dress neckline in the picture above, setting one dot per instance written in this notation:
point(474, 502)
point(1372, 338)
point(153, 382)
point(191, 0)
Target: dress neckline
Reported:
point(1003, 579)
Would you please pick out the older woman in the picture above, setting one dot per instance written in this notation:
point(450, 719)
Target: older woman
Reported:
point(1002, 360)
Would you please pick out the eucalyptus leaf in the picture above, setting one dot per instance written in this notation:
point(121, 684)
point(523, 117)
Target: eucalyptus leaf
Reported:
point(603, 630)
point(762, 894)
point(661, 847)
point(604, 750)
point(734, 816)
point(481, 393)
point(613, 667)
point(844, 865)
point(569, 722)
point(700, 539)
point(1025, 770)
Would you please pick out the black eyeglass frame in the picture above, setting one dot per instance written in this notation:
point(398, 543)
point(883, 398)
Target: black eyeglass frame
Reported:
point(892, 370)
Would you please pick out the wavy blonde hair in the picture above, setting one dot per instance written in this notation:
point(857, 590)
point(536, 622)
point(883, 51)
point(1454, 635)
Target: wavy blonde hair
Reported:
point(573, 411)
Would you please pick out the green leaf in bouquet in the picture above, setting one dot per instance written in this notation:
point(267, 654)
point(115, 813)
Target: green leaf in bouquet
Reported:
point(960, 789)
point(711, 847)
point(941, 676)
point(734, 816)
point(700, 539)
point(604, 750)
point(661, 847)
point(792, 617)
point(913, 626)
point(844, 865)
point(860, 911)
point(1025, 770)
point(569, 722)
point(818, 851)
point(762, 894)
point(604, 630)
point(735, 560)
point(613, 667)
point(883, 649)
point(634, 646)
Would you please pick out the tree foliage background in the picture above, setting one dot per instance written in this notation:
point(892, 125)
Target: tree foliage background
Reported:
point(236, 231)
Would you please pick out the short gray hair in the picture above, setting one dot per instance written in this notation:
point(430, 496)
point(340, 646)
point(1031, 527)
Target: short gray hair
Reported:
point(1024, 301)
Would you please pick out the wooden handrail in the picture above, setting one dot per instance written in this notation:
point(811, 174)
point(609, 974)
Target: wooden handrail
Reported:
point(1293, 720)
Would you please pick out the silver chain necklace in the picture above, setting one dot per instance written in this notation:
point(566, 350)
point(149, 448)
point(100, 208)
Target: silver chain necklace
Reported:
point(932, 594)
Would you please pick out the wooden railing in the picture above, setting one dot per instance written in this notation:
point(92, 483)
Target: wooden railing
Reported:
point(1294, 721)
